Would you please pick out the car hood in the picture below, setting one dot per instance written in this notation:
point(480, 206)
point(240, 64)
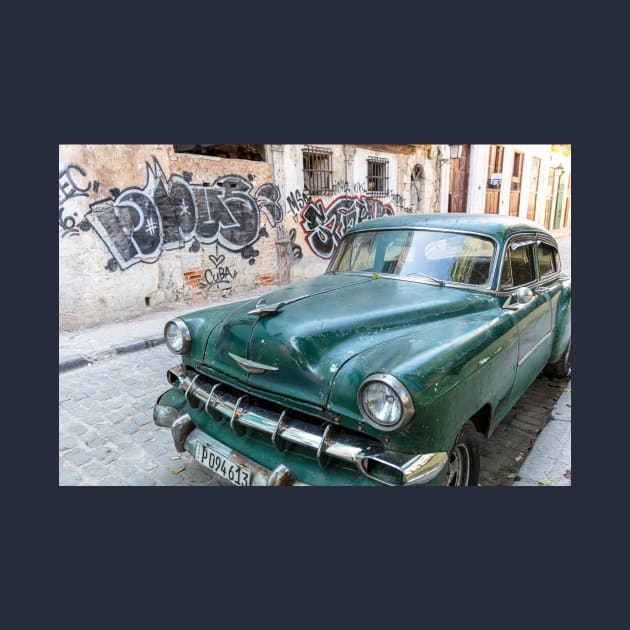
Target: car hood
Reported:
point(323, 323)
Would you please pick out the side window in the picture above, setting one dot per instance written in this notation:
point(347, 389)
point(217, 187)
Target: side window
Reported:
point(547, 259)
point(518, 266)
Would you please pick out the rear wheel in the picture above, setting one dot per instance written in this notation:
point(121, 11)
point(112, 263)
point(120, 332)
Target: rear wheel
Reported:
point(562, 367)
point(463, 460)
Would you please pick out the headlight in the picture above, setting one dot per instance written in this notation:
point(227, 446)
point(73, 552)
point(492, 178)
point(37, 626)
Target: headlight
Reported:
point(177, 336)
point(385, 402)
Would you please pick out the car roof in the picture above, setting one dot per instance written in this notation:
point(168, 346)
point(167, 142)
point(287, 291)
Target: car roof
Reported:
point(498, 226)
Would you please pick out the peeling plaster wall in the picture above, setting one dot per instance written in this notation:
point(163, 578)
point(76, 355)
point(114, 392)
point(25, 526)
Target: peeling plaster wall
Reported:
point(140, 225)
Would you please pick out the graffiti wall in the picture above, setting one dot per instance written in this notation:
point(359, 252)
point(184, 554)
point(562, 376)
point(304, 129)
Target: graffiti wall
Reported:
point(141, 225)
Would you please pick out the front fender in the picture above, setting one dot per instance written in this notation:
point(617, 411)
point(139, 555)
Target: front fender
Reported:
point(451, 369)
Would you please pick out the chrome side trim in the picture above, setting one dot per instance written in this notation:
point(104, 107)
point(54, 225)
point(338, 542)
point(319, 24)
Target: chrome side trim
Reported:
point(529, 354)
point(325, 440)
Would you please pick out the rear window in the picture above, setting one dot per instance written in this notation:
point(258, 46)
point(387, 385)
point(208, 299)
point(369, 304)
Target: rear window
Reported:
point(548, 261)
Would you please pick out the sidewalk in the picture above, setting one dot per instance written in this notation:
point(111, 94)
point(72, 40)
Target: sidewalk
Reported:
point(549, 461)
point(83, 347)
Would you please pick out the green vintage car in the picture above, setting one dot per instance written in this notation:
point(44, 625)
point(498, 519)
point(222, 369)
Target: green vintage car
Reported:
point(424, 332)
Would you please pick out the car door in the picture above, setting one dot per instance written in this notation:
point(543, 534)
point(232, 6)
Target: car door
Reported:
point(532, 314)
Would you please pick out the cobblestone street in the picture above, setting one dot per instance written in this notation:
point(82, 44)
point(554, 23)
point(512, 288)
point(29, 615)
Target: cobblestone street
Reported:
point(106, 431)
point(107, 436)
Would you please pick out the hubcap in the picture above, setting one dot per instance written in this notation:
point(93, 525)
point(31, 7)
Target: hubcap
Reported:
point(459, 466)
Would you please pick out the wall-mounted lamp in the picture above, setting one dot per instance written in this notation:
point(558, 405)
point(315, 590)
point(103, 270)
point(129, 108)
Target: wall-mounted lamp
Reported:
point(456, 151)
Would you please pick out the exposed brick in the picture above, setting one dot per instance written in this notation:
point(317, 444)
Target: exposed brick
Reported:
point(266, 279)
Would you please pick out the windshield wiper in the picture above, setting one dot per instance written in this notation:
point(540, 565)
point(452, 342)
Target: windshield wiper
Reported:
point(442, 283)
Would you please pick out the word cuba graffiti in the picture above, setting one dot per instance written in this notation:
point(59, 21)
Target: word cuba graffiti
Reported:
point(218, 275)
point(325, 226)
point(137, 224)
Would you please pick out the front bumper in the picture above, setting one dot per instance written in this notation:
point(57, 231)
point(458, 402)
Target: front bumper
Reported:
point(327, 441)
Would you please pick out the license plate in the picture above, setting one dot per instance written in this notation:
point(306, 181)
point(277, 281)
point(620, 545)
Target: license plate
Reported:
point(222, 466)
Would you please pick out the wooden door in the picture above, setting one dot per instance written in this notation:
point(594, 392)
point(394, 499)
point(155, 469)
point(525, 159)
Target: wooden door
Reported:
point(533, 189)
point(493, 183)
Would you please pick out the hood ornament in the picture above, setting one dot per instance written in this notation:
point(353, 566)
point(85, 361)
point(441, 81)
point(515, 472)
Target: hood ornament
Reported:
point(262, 308)
point(251, 367)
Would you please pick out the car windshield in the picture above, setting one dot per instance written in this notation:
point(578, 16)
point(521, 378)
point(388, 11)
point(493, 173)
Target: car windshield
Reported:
point(438, 256)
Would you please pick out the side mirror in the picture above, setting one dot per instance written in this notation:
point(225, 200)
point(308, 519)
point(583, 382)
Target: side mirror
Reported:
point(524, 295)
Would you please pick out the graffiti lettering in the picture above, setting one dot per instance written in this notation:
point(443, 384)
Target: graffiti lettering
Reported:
point(137, 224)
point(297, 200)
point(296, 250)
point(341, 186)
point(71, 186)
point(324, 227)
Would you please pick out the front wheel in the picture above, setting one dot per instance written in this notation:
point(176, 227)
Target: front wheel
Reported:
point(463, 461)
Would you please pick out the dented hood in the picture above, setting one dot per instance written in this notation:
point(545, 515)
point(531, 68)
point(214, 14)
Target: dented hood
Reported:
point(296, 341)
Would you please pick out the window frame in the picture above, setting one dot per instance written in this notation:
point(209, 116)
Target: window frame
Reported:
point(533, 238)
point(555, 255)
point(321, 176)
point(379, 179)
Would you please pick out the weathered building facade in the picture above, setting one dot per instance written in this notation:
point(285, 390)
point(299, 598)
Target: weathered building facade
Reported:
point(144, 225)
point(532, 181)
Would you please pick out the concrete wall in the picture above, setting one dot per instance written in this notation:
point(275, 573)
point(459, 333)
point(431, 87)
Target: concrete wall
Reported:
point(141, 225)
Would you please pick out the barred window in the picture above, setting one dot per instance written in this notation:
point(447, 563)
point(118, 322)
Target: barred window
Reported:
point(317, 165)
point(378, 176)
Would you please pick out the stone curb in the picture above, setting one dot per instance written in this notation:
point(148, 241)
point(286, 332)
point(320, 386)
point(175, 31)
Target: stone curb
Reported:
point(75, 362)
point(142, 344)
point(72, 363)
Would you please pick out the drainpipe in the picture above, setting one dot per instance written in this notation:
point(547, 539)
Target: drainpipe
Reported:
point(282, 240)
point(349, 152)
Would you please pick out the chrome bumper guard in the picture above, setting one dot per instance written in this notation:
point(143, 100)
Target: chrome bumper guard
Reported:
point(366, 453)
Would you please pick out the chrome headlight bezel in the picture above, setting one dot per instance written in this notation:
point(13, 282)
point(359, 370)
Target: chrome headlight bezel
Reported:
point(184, 333)
point(398, 390)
